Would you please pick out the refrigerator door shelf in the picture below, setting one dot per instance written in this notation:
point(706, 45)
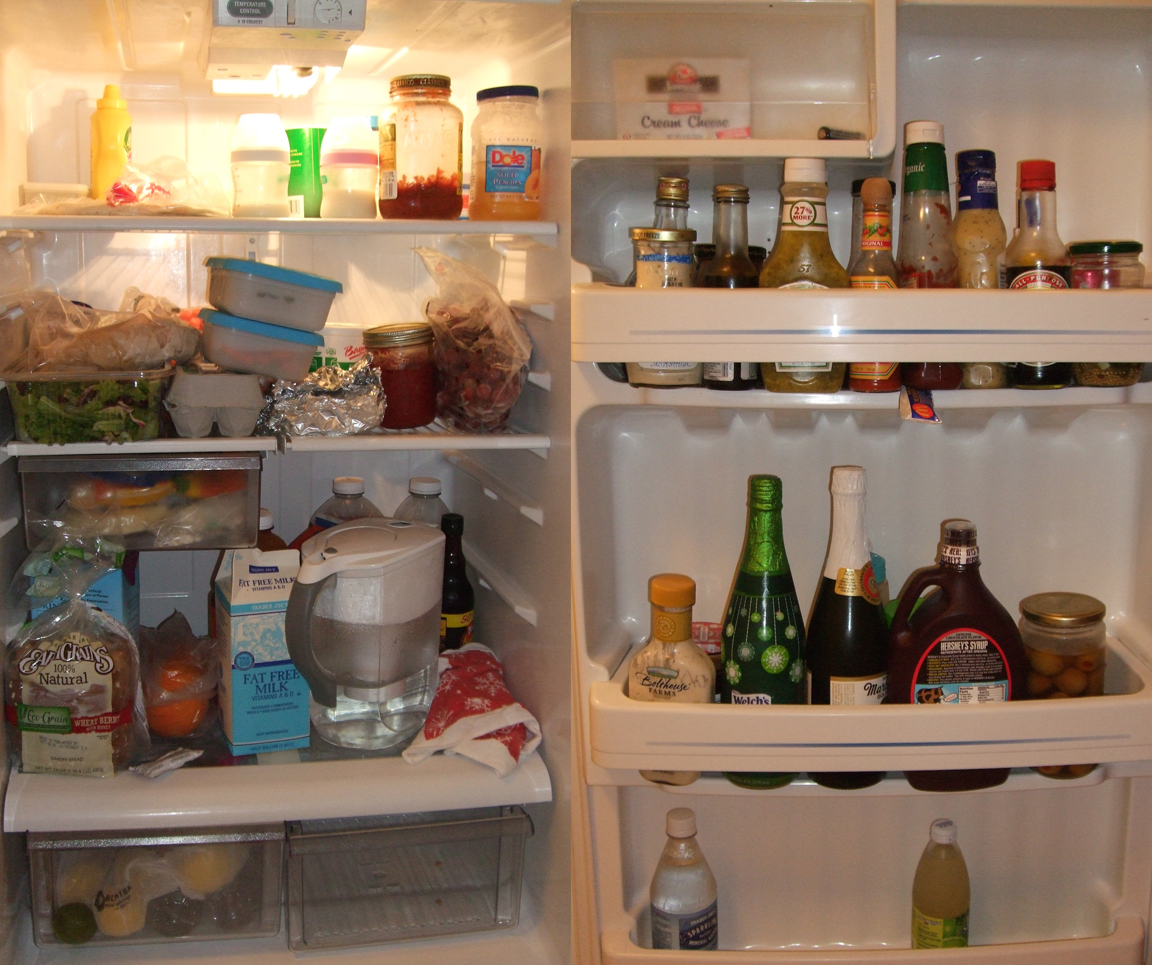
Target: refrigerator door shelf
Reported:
point(259, 794)
point(630, 734)
point(611, 323)
point(1125, 946)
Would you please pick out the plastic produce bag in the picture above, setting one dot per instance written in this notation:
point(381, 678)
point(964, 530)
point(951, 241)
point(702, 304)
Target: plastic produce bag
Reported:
point(481, 348)
point(164, 186)
point(43, 332)
point(180, 675)
point(72, 692)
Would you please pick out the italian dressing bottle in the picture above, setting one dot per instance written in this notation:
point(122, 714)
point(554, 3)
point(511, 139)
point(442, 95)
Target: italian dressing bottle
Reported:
point(670, 667)
point(941, 894)
point(683, 891)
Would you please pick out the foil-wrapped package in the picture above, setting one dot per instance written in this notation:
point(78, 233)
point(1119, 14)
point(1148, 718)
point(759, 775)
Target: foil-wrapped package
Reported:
point(330, 402)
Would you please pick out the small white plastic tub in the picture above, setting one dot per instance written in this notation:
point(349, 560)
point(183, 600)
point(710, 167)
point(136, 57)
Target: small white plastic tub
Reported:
point(245, 345)
point(268, 293)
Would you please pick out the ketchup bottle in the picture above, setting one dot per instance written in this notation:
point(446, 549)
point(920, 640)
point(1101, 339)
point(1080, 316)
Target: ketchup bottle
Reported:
point(961, 647)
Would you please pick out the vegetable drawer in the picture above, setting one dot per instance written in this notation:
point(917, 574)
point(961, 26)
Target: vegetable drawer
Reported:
point(134, 887)
point(144, 502)
point(363, 881)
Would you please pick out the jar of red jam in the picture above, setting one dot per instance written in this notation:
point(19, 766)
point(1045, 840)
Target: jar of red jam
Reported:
point(402, 354)
point(932, 375)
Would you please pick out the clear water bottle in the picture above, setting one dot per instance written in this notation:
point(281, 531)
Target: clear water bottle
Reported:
point(347, 503)
point(423, 504)
point(683, 892)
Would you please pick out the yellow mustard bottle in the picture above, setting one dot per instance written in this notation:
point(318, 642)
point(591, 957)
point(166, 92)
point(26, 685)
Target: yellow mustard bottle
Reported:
point(111, 140)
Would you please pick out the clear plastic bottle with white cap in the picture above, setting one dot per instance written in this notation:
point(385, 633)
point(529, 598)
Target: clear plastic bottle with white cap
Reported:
point(347, 502)
point(349, 168)
point(260, 167)
point(683, 892)
point(925, 257)
point(423, 504)
point(941, 894)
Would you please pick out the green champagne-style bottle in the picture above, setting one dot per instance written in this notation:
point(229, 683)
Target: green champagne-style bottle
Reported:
point(763, 637)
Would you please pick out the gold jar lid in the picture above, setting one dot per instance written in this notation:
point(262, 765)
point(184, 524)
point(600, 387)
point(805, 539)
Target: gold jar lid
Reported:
point(401, 333)
point(1063, 610)
point(672, 189)
point(671, 590)
point(730, 192)
point(407, 82)
point(663, 234)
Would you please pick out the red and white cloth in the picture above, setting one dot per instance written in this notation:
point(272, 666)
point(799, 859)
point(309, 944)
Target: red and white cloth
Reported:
point(473, 714)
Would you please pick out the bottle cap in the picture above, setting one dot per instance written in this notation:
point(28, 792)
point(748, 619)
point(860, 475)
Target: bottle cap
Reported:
point(975, 160)
point(859, 183)
point(348, 486)
point(267, 520)
point(452, 524)
point(672, 189)
point(112, 99)
point(1064, 610)
point(849, 481)
point(805, 169)
point(923, 132)
point(876, 191)
point(671, 590)
point(350, 140)
point(730, 192)
point(765, 492)
point(260, 138)
point(681, 823)
point(960, 548)
point(1037, 175)
point(515, 90)
point(1105, 248)
point(944, 831)
point(412, 81)
point(424, 486)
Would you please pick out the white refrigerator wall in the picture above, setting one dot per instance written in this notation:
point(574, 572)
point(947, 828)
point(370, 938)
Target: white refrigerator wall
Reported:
point(1060, 494)
point(56, 59)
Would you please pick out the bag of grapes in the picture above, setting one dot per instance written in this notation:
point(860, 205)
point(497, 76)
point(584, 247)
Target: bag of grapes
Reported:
point(72, 695)
point(481, 349)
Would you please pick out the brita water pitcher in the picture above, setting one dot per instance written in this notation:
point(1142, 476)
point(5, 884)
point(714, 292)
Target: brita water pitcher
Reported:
point(363, 628)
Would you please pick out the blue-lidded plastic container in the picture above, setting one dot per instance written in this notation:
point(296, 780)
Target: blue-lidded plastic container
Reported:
point(245, 345)
point(268, 293)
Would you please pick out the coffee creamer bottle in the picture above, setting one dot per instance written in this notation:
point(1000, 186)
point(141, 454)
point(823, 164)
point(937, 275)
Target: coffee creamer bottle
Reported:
point(670, 667)
point(960, 648)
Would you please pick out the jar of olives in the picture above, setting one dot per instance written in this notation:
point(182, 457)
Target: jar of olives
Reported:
point(1063, 636)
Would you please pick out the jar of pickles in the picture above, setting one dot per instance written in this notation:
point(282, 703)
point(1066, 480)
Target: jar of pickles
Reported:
point(1064, 637)
point(1106, 264)
point(402, 354)
point(820, 377)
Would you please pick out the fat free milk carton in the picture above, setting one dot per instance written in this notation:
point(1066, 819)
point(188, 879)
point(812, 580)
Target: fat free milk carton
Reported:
point(263, 698)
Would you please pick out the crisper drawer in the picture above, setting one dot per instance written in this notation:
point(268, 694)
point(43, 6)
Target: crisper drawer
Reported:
point(145, 502)
point(363, 881)
point(135, 887)
point(1125, 946)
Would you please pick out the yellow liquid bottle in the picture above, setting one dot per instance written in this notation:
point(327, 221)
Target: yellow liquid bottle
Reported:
point(940, 892)
point(111, 140)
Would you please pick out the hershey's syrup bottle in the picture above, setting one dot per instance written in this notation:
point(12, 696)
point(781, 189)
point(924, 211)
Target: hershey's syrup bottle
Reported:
point(847, 641)
point(458, 607)
point(730, 267)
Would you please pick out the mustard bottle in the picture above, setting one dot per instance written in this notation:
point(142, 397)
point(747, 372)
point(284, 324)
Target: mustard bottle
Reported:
point(111, 140)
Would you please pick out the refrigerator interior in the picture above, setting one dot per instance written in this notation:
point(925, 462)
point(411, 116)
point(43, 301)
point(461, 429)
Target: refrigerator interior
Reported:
point(56, 60)
point(1057, 483)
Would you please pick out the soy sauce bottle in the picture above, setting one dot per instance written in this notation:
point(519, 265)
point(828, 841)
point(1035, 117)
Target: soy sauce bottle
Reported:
point(962, 647)
point(731, 267)
point(458, 607)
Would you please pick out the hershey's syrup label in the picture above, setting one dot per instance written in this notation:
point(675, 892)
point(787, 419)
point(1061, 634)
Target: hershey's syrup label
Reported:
point(963, 666)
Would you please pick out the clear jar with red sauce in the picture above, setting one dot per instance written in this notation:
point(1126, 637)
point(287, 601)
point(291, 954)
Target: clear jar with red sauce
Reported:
point(932, 375)
point(402, 354)
point(421, 149)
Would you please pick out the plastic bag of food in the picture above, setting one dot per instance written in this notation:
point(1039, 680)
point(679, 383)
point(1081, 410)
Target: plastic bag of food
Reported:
point(43, 332)
point(481, 348)
point(164, 186)
point(180, 673)
point(72, 691)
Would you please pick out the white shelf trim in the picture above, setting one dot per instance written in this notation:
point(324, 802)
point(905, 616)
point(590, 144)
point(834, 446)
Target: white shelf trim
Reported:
point(495, 579)
point(435, 436)
point(313, 226)
point(496, 488)
point(151, 447)
point(256, 794)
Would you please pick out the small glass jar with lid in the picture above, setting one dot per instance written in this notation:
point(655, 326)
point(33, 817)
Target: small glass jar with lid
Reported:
point(507, 138)
point(1106, 264)
point(1064, 638)
point(421, 145)
point(664, 257)
point(820, 377)
point(402, 354)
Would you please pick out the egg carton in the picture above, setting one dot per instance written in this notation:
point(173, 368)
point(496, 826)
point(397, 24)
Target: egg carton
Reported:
point(205, 396)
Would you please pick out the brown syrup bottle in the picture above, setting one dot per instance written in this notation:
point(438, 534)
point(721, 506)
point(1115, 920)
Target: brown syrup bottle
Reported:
point(961, 647)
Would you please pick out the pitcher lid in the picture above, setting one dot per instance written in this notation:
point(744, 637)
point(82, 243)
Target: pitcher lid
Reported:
point(370, 546)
